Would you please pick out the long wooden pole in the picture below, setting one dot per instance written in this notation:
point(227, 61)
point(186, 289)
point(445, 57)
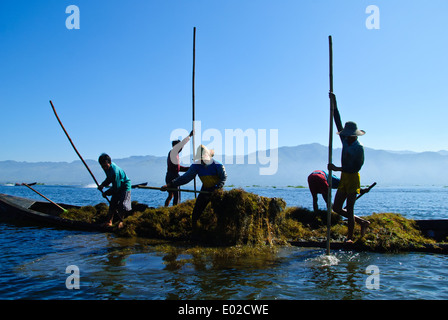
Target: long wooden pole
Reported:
point(330, 147)
point(73, 145)
point(27, 185)
point(170, 189)
point(193, 99)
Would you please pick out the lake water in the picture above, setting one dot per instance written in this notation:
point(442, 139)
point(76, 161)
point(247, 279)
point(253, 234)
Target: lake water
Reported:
point(34, 259)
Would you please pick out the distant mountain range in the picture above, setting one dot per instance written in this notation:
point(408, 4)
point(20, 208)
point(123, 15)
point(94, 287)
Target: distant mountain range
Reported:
point(387, 168)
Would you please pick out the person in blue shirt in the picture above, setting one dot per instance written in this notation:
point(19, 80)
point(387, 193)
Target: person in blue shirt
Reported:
point(120, 190)
point(352, 159)
point(212, 174)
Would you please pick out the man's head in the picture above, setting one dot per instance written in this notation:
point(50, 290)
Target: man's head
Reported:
point(105, 161)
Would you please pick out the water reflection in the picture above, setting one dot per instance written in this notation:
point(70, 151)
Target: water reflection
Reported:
point(120, 268)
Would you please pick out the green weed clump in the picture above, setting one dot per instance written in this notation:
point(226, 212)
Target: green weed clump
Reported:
point(172, 223)
point(392, 232)
point(387, 232)
point(89, 214)
point(232, 217)
point(238, 218)
point(304, 224)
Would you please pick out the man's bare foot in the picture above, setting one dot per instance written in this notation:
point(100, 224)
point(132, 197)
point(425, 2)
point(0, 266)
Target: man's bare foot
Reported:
point(107, 224)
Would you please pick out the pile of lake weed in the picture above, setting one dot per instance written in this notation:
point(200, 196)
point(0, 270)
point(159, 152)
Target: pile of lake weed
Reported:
point(233, 217)
point(304, 224)
point(172, 223)
point(391, 232)
point(89, 214)
point(237, 217)
point(241, 217)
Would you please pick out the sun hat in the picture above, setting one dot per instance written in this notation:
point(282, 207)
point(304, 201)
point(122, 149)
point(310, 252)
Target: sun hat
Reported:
point(203, 153)
point(351, 129)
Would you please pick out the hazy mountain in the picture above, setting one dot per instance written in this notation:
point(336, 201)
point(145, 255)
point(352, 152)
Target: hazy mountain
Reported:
point(294, 165)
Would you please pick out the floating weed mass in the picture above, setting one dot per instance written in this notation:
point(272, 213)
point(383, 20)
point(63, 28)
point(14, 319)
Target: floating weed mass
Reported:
point(90, 214)
point(232, 217)
point(392, 233)
point(247, 222)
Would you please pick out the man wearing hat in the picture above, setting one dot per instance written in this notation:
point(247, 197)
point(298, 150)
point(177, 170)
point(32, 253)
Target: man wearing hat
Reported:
point(212, 174)
point(352, 160)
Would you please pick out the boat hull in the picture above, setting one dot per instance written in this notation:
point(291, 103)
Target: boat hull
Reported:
point(18, 209)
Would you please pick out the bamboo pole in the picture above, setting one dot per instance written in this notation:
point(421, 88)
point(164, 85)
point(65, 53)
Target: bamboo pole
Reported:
point(193, 100)
point(330, 147)
point(73, 145)
point(169, 189)
point(27, 185)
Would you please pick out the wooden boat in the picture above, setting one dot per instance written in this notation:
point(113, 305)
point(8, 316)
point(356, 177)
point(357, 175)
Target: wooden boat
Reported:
point(434, 229)
point(18, 209)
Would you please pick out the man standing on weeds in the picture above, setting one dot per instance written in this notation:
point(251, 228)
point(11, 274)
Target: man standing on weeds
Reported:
point(212, 174)
point(352, 160)
point(120, 191)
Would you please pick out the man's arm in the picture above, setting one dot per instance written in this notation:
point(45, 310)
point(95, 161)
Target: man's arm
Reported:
point(315, 205)
point(336, 115)
point(176, 149)
point(185, 178)
point(222, 176)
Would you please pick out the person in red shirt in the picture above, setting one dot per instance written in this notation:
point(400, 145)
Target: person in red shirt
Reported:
point(318, 184)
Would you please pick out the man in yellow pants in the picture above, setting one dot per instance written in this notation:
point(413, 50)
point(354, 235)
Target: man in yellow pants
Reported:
point(352, 160)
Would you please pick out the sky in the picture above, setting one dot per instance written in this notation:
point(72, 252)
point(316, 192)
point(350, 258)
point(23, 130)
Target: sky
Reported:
point(122, 82)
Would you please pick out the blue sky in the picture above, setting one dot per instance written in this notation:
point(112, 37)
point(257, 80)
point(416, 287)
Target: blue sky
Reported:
point(122, 82)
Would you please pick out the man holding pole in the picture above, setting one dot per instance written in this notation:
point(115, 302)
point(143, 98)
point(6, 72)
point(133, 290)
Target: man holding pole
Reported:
point(120, 190)
point(352, 160)
point(174, 167)
point(212, 174)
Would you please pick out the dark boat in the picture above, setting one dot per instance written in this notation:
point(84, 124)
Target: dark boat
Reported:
point(434, 229)
point(17, 209)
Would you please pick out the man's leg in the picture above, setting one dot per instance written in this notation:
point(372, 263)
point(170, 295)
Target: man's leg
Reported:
point(201, 202)
point(351, 199)
point(176, 197)
point(168, 199)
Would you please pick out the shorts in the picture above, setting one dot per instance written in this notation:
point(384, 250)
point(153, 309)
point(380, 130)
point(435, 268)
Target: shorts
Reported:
point(121, 202)
point(350, 183)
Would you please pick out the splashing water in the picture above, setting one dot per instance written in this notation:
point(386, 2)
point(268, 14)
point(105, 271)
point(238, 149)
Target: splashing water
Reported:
point(90, 185)
point(324, 260)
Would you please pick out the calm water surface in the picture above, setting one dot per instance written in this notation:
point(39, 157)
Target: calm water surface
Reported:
point(34, 259)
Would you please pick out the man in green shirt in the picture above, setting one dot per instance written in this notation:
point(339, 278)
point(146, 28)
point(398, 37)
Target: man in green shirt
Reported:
point(120, 190)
